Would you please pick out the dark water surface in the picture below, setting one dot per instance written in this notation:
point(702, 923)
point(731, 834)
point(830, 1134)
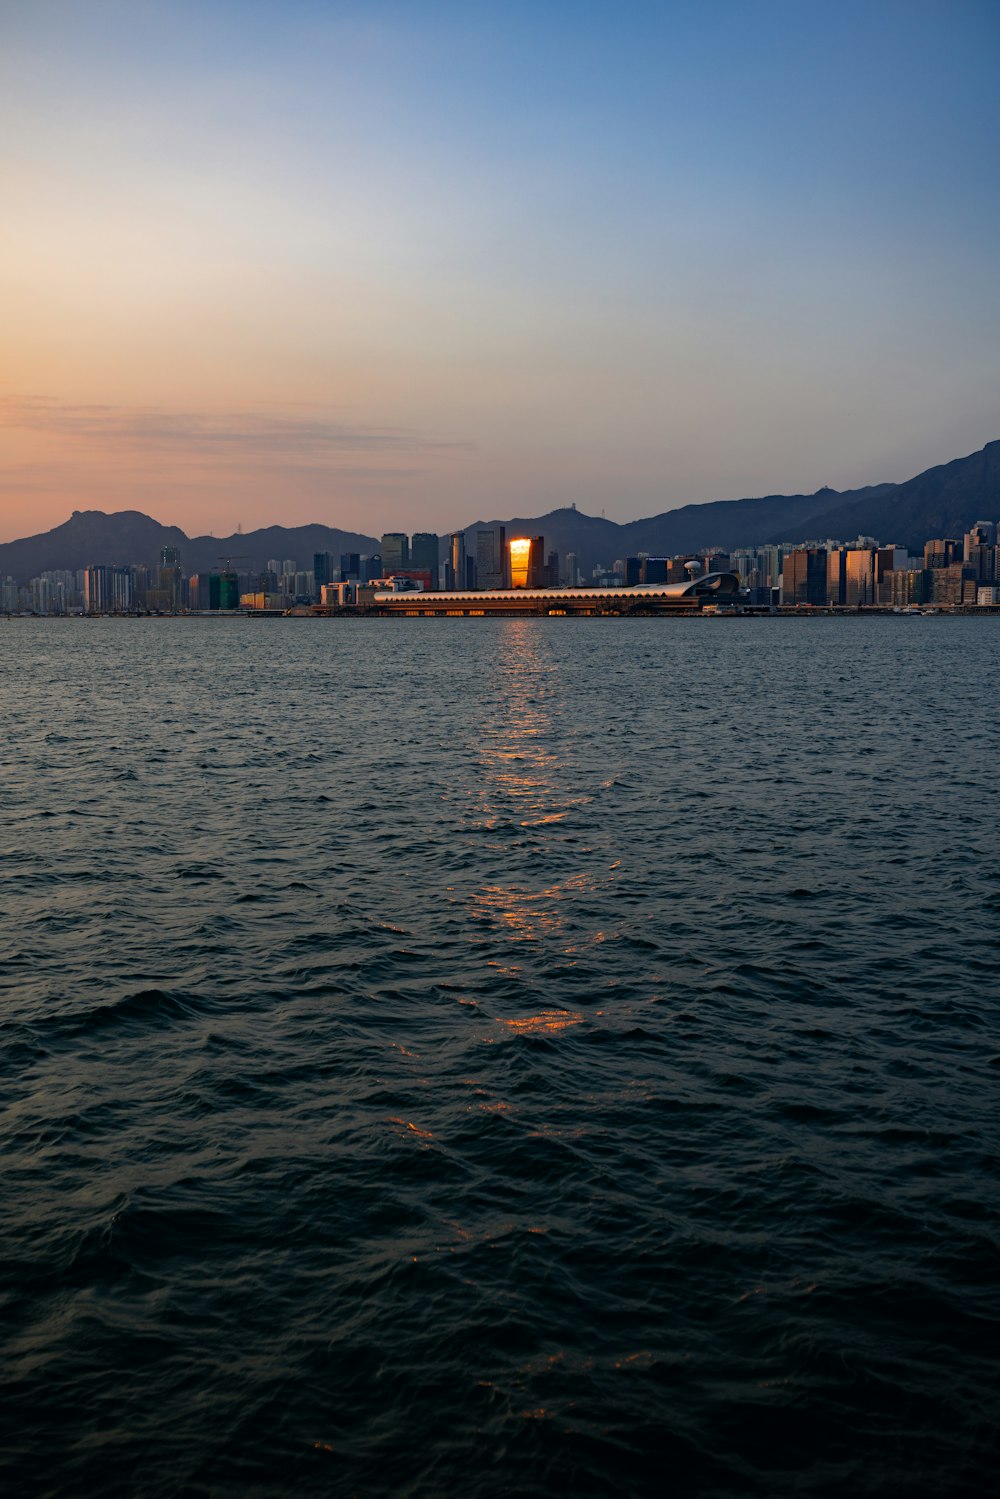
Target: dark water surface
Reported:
point(500, 1057)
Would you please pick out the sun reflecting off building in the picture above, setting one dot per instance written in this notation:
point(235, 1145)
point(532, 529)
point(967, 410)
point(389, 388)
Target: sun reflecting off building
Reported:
point(527, 565)
point(520, 557)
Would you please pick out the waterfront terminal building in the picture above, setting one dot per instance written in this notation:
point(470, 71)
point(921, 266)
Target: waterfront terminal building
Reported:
point(717, 590)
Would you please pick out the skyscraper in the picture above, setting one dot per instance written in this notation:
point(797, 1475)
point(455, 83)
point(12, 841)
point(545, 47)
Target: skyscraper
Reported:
point(979, 550)
point(97, 590)
point(121, 589)
point(887, 559)
point(804, 576)
point(424, 553)
point(527, 562)
point(223, 590)
point(943, 551)
point(836, 575)
point(860, 583)
point(456, 570)
point(491, 557)
point(395, 552)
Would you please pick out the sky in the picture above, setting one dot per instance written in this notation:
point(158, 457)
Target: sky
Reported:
point(402, 266)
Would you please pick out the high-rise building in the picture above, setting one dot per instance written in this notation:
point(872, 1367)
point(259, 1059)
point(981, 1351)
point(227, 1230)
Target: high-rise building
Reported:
point(860, 576)
point(803, 576)
point(887, 559)
point(769, 565)
point(168, 584)
point(121, 589)
point(836, 575)
point(527, 562)
point(491, 557)
point(97, 590)
point(107, 590)
point(572, 570)
point(456, 573)
point(223, 591)
point(754, 567)
point(324, 564)
point(911, 585)
point(395, 552)
point(953, 585)
point(982, 534)
point(677, 567)
point(943, 551)
point(424, 554)
point(979, 550)
point(144, 579)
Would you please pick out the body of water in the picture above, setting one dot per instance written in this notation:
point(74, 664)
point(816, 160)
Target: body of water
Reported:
point(530, 1057)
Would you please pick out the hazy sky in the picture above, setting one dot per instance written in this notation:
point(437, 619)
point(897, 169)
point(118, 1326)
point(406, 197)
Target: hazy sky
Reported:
point(402, 266)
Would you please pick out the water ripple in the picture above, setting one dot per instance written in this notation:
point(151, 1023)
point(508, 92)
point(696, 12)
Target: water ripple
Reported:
point(519, 1057)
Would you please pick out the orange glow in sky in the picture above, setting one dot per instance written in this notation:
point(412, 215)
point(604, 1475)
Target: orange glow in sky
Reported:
point(406, 268)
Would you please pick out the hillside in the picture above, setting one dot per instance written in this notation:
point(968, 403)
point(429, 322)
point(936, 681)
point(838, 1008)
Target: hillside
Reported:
point(942, 501)
point(129, 537)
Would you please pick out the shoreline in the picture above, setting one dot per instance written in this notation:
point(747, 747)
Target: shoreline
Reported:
point(964, 611)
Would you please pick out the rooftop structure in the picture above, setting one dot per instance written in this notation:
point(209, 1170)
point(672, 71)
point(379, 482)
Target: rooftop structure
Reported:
point(708, 588)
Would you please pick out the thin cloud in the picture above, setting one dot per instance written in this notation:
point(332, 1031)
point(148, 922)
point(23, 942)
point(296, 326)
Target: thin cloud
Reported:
point(260, 434)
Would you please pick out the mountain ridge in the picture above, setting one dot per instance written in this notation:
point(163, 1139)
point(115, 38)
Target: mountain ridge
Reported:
point(943, 500)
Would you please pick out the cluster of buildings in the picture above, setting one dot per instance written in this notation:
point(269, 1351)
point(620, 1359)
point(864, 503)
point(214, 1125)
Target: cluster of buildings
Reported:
point(951, 572)
point(416, 563)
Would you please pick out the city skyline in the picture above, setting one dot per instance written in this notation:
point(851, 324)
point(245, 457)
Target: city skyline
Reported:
point(439, 575)
point(343, 259)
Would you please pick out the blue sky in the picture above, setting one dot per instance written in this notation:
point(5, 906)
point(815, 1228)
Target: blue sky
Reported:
point(409, 265)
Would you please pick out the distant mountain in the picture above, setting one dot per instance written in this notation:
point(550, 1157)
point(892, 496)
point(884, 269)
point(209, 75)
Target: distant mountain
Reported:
point(128, 536)
point(692, 528)
point(734, 523)
point(943, 501)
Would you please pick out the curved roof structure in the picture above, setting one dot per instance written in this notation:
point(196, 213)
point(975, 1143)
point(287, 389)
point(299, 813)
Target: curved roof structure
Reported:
point(709, 586)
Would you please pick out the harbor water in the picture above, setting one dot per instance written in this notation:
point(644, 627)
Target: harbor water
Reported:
point(486, 1057)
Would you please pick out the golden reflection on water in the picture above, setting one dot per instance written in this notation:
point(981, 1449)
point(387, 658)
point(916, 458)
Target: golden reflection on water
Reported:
point(519, 748)
point(522, 759)
point(524, 915)
point(548, 1020)
point(406, 1126)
